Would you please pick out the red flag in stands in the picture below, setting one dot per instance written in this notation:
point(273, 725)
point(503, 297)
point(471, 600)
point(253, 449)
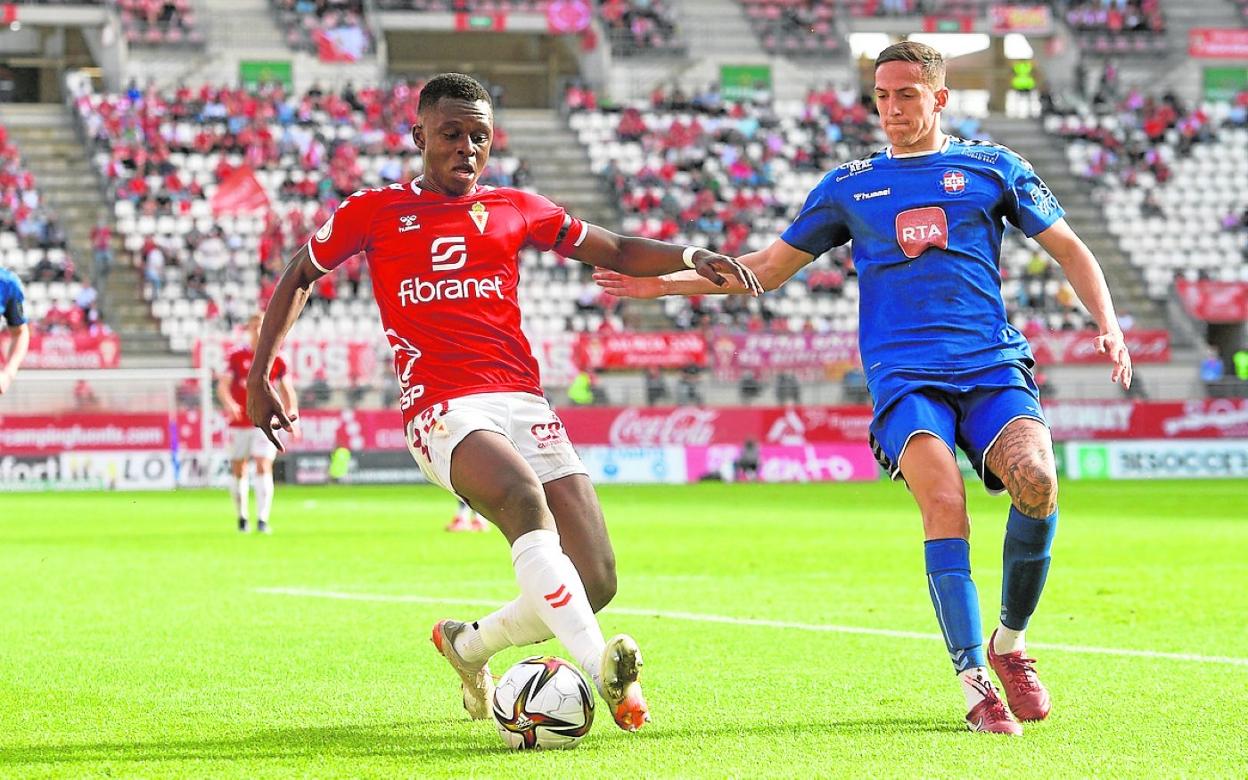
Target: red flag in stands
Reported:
point(239, 193)
point(340, 44)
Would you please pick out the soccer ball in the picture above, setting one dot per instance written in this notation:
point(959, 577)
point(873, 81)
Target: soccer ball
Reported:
point(543, 702)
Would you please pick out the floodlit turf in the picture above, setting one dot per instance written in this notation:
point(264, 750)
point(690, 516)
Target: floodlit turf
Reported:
point(134, 641)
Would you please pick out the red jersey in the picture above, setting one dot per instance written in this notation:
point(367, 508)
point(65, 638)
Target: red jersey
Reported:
point(445, 271)
point(237, 364)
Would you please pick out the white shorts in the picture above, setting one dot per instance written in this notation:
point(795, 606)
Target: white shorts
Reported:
point(247, 443)
point(525, 419)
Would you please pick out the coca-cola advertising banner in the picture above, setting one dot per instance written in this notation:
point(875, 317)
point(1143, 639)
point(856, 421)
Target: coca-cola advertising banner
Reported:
point(689, 426)
point(639, 350)
point(1079, 346)
point(805, 355)
point(1212, 43)
point(341, 359)
point(69, 350)
point(1214, 301)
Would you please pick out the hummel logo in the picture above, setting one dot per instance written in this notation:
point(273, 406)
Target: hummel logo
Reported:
point(410, 222)
point(873, 194)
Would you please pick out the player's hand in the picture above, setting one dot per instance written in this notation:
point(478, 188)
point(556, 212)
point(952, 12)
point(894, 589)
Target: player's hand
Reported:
point(1113, 344)
point(622, 286)
point(712, 267)
point(5, 382)
point(266, 412)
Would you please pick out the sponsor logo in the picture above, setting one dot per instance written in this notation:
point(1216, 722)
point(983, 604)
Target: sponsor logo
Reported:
point(409, 223)
point(1046, 201)
point(873, 194)
point(479, 216)
point(323, 234)
point(416, 290)
point(1222, 415)
point(691, 427)
point(853, 168)
point(548, 434)
point(953, 182)
point(405, 356)
point(921, 229)
point(448, 253)
point(980, 153)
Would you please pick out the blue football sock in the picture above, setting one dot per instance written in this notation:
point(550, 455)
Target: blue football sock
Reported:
point(1026, 565)
point(956, 602)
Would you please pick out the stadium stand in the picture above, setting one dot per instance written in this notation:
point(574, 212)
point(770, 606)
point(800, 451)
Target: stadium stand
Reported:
point(159, 23)
point(1121, 27)
point(338, 25)
point(1174, 182)
point(163, 156)
point(637, 27)
point(732, 179)
point(788, 29)
point(32, 245)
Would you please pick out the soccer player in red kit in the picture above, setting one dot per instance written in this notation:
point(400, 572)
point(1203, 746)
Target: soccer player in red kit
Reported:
point(443, 256)
point(247, 443)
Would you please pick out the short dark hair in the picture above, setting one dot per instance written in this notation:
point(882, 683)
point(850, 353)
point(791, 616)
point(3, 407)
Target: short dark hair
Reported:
point(455, 86)
point(930, 61)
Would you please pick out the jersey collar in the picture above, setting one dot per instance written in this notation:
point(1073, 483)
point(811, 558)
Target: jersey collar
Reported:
point(944, 147)
point(417, 190)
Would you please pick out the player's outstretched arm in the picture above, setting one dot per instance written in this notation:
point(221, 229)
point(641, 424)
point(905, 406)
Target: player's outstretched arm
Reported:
point(19, 342)
point(772, 266)
point(264, 408)
point(642, 257)
point(1088, 281)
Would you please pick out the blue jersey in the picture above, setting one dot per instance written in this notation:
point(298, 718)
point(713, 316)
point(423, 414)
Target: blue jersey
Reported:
point(927, 245)
point(12, 299)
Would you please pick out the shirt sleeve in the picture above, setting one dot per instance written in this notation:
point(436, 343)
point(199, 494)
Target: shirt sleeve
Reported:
point(15, 306)
point(550, 226)
point(1031, 206)
point(345, 233)
point(819, 226)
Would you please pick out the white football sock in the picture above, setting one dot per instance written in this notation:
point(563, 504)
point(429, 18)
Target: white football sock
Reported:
point(1007, 640)
point(238, 492)
point(516, 624)
point(975, 685)
point(264, 495)
point(552, 587)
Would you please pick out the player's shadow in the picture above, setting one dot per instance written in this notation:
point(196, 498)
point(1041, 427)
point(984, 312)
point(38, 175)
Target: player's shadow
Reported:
point(439, 738)
point(843, 727)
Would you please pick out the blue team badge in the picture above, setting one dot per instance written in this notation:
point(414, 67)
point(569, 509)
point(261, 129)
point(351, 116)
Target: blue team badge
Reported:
point(954, 182)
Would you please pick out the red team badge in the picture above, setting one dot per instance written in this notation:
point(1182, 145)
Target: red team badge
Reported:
point(920, 229)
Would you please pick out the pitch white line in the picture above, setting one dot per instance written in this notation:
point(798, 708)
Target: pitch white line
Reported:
point(698, 617)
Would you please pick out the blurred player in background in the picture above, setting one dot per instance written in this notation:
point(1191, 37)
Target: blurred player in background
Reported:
point(443, 256)
point(12, 308)
point(467, 519)
point(944, 366)
point(247, 443)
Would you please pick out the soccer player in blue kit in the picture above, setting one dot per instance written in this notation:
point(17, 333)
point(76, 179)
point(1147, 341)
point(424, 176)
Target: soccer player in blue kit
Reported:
point(12, 310)
point(944, 366)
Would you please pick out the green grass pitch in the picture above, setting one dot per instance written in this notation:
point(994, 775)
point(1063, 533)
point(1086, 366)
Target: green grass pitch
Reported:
point(136, 640)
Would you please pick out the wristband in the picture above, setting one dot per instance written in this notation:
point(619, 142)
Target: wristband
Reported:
point(687, 256)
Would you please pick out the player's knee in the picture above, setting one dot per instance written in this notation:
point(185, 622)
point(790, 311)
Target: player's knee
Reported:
point(600, 584)
point(1038, 496)
point(522, 502)
point(944, 513)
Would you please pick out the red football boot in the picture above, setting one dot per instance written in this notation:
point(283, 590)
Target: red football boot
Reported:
point(1028, 698)
point(991, 716)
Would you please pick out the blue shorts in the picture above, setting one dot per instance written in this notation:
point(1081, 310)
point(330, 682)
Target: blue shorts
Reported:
point(968, 410)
